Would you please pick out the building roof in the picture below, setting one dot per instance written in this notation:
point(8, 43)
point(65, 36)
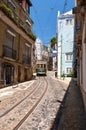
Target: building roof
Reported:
point(64, 15)
point(68, 13)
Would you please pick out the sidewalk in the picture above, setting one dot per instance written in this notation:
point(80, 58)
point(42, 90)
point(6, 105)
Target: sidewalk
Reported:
point(71, 115)
point(17, 85)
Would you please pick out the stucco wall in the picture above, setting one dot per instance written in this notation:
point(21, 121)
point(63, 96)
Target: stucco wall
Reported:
point(65, 42)
point(2, 37)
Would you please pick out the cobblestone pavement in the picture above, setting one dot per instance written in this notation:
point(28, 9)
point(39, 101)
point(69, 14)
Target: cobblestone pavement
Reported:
point(71, 115)
point(61, 108)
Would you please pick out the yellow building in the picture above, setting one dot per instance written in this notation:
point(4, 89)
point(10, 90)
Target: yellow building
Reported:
point(16, 41)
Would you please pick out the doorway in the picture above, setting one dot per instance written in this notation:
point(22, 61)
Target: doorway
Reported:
point(7, 73)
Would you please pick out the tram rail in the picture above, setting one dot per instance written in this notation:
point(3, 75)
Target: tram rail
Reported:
point(10, 109)
point(18, 124)
point(28, 114)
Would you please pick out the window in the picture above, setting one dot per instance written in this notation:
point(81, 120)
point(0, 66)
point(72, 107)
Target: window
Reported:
point(9, 40)
point(27, 49)
point(60, 24)
point(71, 22)
point(68, 70)
point(69, 56)
point(67, 22)
point(9, 46)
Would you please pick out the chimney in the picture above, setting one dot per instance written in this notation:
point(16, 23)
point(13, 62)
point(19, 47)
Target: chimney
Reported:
point(58, 13)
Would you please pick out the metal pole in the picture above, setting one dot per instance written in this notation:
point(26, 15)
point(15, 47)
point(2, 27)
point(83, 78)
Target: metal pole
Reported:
point(61, 59)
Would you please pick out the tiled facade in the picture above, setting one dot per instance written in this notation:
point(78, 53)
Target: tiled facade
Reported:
point(16, 42)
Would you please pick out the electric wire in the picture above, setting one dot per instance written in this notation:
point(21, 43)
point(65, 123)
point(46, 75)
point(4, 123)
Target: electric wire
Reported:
point(65, 5)
point(48, 18)
point(50, 13)
point(38, 19)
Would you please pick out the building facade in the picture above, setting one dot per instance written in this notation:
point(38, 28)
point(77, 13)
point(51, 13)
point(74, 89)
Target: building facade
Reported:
point(54, 56)
point(38, 51)
point(80, 21)
point(65, 44)
point(41, 51)
point(16, 41)
point(45, 53)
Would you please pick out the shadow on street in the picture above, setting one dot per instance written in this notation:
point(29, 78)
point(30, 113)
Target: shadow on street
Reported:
point(71, 113)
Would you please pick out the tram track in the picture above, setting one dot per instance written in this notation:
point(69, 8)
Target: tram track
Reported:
point(6, 112)
point(18, 124)
point(28, 114)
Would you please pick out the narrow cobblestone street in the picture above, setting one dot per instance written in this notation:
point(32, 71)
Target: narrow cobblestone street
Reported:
point(60, 109)
point(42, 65)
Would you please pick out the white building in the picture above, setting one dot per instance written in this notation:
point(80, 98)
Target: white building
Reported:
point(45, 53)
point(39, 46)
point(65, 34)
point(54, 56)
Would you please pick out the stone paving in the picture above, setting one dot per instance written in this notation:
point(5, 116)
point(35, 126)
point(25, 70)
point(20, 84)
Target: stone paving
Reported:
point(71, 115)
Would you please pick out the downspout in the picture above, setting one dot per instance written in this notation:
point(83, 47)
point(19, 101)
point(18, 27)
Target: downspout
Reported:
point(61, 59)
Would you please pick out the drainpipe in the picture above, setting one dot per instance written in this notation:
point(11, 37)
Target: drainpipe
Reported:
point(61, 59)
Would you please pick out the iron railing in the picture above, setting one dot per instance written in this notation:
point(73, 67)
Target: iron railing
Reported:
point(27, 59)
point(9, 52)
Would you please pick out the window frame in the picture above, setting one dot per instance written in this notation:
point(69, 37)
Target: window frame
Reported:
point(68, 56)
point(70, 70)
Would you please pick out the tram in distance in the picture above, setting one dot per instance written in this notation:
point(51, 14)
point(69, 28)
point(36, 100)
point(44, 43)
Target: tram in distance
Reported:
point(41, 68)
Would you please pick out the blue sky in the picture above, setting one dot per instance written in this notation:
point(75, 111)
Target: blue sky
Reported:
point(44, 15)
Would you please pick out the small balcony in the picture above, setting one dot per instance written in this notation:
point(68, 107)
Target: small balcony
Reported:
point(13, 10)
point(26, 59)
point(9, 52)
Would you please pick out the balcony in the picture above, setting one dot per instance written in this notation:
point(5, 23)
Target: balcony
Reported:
point(15, 12)
point(26, 59)
point(9, 52)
